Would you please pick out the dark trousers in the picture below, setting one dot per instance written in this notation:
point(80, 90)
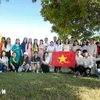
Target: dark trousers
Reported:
point(8, 54)
point(98, 64)
point(57, 68)
point(16, 65)
point(45, 68)
point(83, 70)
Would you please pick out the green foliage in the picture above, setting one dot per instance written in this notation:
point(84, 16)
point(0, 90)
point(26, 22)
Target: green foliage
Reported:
point(79, 18)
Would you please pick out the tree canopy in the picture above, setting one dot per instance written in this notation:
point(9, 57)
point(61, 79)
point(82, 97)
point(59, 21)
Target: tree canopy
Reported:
point(79, 18)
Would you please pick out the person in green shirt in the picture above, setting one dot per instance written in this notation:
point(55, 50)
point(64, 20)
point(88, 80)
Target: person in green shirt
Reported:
point(14, 62)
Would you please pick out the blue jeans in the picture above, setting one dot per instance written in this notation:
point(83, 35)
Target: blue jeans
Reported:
point(0, 66)
point(3, 67)
point(98, 71)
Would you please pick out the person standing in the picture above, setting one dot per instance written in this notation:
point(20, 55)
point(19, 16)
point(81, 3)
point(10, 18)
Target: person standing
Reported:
point(50, 50)
point(41, 49)
point(35, 46)
point(28, 49)
point(23, 44)
point(66, 46)
point(46, 43)
point(76, 46)
point(7, 47)
point(58, 48)
point(1, 44)
point(92, 48)
point(16, 48)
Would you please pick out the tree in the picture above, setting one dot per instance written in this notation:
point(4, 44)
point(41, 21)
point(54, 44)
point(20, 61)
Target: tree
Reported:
point(79, 18)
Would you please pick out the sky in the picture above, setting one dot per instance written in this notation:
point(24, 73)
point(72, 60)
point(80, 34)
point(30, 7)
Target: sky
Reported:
point(22, 18)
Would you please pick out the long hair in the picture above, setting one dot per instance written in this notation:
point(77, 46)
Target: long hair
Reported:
point(24, 39)
point(16, 41)
point(58, 40)
point(27, 45)
point(44, 55)
point(2, 53)
point(5, 44)
point(35, 43)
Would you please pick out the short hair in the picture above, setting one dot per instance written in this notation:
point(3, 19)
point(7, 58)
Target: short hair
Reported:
point(78, 50)
point(85, 51)
point(35, 52)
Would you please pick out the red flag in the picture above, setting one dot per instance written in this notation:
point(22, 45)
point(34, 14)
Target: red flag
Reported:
point(63, 59)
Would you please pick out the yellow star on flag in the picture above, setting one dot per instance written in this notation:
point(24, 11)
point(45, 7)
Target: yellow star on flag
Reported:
point(62, 59)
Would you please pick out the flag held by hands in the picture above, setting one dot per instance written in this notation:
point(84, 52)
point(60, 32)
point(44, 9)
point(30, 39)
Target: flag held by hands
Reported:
point(63, 59)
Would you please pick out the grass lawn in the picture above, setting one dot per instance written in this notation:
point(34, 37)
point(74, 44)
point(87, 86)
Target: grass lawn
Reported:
point(48, 86)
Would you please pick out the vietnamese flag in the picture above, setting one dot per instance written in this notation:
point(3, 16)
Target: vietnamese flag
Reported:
point(63, 59)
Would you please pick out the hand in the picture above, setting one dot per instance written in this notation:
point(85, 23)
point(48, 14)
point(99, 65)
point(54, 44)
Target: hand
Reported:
point(1, 61)
point(81, 63)
point(85, 66)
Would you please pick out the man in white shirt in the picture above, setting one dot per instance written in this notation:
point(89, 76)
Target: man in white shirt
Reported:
point(88, 62)
point(79, 64)
point(46, 43)
point(54, 40)
point(92, 48)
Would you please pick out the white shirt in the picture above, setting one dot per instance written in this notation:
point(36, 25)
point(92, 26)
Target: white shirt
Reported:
point(66, 47)
point(4, 59)
point(50, 48)
point(79, 59)
point(47, 61)
point(88, 62)
point(92, 49)
point(58, 48)
point(8, 48)
point(76, 47)
point(84, 47)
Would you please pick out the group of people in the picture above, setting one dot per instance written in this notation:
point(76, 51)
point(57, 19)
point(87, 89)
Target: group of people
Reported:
point(37, 57)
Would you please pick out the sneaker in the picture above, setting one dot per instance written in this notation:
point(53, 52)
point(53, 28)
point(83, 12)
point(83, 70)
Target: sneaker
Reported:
point(37, 71)
point(99, 77)
point(78, 73)
point(41, 71)
point(0, 71)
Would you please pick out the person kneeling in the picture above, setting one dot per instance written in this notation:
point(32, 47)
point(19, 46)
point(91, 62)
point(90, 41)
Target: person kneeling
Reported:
point(24, 63)
point(45, 62)
point(35, 62)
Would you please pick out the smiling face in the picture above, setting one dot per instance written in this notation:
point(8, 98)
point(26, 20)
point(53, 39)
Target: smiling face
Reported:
point(3, 53)
point(8, 40)
point(14, 55)
point(17, 41)
point(46, 54)
point(51, 43)
point(41, 41)
point(25, 40)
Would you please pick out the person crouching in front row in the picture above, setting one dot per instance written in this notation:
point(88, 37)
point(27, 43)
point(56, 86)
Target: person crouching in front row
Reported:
point(24, 63)
point(45, 62)
point(3, 62)
point(87, 64)
point(35, 63)
point(14, 62)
